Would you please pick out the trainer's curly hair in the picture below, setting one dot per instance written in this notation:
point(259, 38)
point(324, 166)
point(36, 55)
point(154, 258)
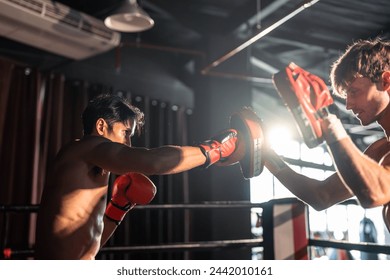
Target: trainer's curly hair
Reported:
point(112, 108)
point(364, 58)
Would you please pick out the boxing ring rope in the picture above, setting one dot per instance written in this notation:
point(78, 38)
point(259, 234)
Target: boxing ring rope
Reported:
point(19, 208)
point(361, 246)
point(270, 234)
point(204, 205)
point(193, 246)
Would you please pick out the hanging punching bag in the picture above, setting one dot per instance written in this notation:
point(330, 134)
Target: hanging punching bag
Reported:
point(368, 233)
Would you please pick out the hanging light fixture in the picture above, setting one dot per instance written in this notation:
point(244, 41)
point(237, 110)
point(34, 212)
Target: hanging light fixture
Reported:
point(130, 17)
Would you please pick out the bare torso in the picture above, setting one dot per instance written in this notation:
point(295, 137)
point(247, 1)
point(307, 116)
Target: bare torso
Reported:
point(380, 152)
point(70, 220)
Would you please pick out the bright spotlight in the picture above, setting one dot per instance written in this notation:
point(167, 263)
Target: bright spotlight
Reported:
point(279, 138)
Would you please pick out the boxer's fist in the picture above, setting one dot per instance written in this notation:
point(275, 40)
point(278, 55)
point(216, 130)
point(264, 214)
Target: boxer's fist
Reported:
point(219, 147)
point(237, 154)
point(127, 191)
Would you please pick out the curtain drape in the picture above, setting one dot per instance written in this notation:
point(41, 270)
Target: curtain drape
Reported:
point(20, 92)
point(40, 112)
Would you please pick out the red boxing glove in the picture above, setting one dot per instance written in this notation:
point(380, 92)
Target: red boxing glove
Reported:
point(128, 190)
point(220, 147)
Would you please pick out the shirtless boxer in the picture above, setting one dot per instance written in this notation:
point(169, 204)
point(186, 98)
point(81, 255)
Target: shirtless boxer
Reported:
point(73, 222)
point(362, 76)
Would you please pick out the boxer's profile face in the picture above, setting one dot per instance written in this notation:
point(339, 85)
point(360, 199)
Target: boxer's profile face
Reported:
point(121, 132)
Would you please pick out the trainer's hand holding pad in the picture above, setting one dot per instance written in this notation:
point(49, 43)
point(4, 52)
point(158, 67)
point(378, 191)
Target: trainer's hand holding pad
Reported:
point(306, 96)
point(128, 190)
point(250, 141)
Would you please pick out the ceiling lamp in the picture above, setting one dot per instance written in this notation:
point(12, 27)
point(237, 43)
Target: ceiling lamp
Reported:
point(130, 17)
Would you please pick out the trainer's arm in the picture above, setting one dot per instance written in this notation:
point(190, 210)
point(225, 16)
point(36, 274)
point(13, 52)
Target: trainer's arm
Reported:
point(368, 179)
point(318, 194)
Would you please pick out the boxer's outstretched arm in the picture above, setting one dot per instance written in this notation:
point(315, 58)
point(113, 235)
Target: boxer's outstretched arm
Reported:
point(169, 159)
point(120, 159)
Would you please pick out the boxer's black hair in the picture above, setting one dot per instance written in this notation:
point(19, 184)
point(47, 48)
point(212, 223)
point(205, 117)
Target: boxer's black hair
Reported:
point(112, 108)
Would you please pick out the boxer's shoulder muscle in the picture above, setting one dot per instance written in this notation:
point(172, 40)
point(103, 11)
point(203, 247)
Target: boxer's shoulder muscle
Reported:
point(84, 145)
point(77, 153)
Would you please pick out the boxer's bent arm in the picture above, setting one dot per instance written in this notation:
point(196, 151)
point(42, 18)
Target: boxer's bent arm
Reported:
point(119, 158)
point(109, 228)
point(318, 194)
point(367, 178)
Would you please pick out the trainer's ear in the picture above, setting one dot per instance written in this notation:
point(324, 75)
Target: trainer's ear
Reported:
point(386, 81)
point(101, 125)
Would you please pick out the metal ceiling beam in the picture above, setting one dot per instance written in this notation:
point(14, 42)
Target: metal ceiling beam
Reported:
point(300, 8)
point(261, 14)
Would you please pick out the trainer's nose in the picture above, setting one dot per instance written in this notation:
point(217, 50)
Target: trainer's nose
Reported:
point(349, 104)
